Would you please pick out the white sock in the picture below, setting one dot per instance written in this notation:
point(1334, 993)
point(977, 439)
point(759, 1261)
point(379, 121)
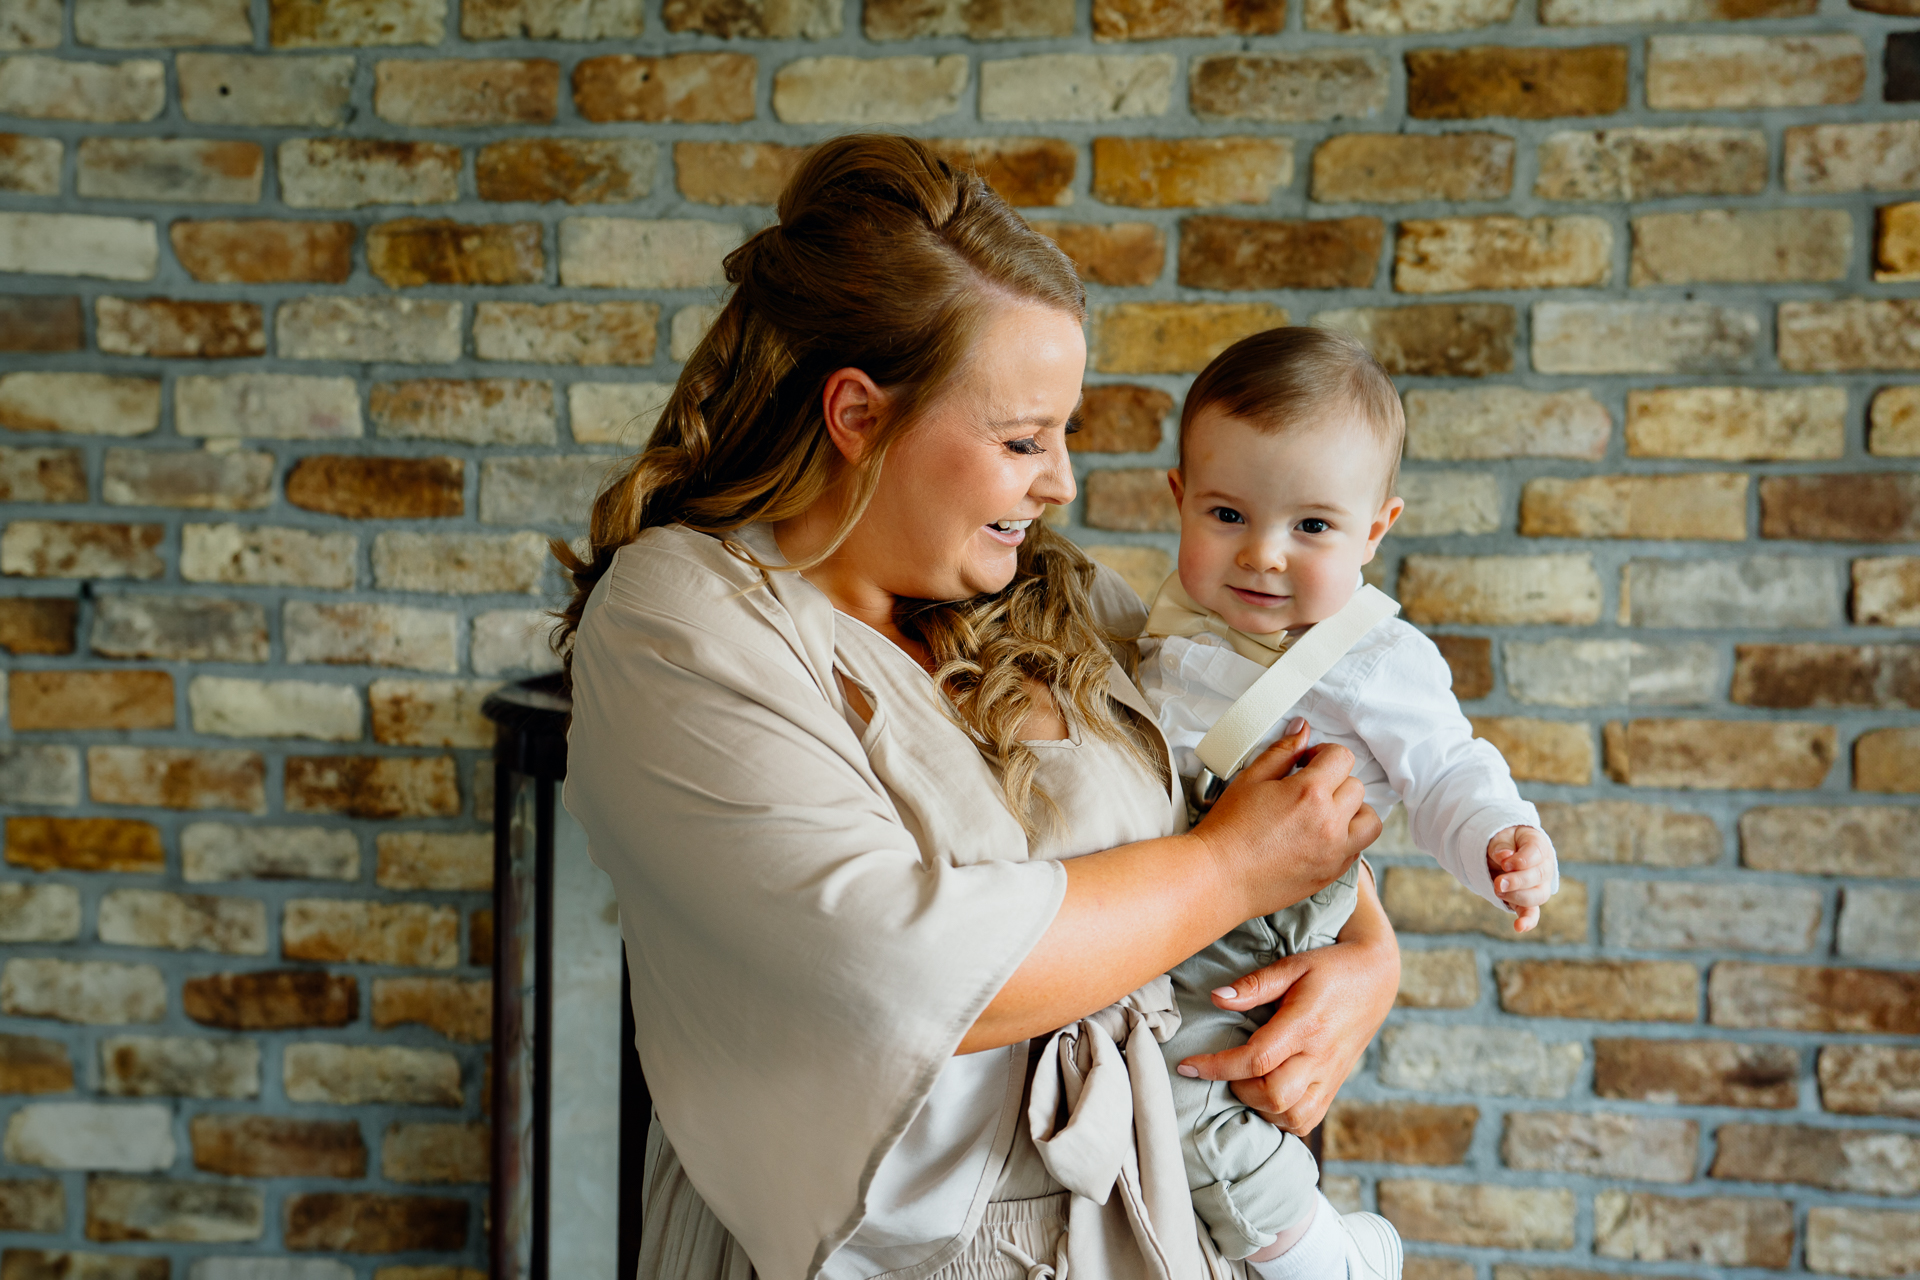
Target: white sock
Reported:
point(1321, 1254)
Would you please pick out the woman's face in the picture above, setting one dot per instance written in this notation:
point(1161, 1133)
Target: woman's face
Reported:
point(960, 486)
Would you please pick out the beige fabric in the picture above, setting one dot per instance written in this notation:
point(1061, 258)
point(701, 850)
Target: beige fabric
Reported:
point(1175, 613)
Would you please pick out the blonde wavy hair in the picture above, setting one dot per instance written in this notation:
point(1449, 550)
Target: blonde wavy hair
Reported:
point(886, 259)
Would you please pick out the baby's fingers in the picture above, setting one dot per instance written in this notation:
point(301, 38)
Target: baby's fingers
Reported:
point(1510, 883)
point(1525, 918)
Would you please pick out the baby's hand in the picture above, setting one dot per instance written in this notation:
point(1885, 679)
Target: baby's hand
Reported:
point(1521, 861)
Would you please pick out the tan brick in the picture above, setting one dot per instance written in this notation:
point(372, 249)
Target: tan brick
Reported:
point(1896, 243)
point(1399, 17)
point(377, 488)
point(1505, 422)
point(1883, 156)
point(1586, 13)
point(1496, 1061)
point(465, 92)
point(39, 912)
point(1594, 673)
point(1870, 1080)
point(31, 24)
point(837, 90)
point(567, 332)
point(1132, 498)
point(1067, 86)
point(177, 778)
point(247, 1146)
point(30, 165)
point(1452, 255)
point(1174, 337)
point(1470, 660)
point(184, 628)
point(52, 549)
point(1114, 253)
point(1886, 591)
point(179, 1066)
point(1893, 419)
point(1701, 1073)
point(576, 170)
point(45, 624)
point(1720, 72)
point(1608, 990)
point(634, 253)
point(1441, 979)
point(432, 713)
point(171, 169)
point(363, 1222)
point(271, 1000)
point(480, 411)
point(1164, 19)
point(1826, 675)
point(405, 330)
point(1654, 915)
point(1877, 923)
point(461, 563)
point(348, 1075)
point(90, 992)
point(195, 479)
point(253, 90)
point(458, 1008)
point(265, 556)
point(1478, 1214)
point(1541, 750)
point(40, 775)
point(1440, 339)
point(1887, 760)
point(415, 251)
point(1741, 246)
point(1735, 754)
point(266, 406)
point(1863, 1242)
point(1398, 168)
point(429, 1152)
point(75, 244)
point(1449, 502)
point(540, 490)
point(1429, 900)
point(1735, 424)
point(1601, 1145)
point(1178, 173)
point(1122, 418)
point(1499, 590)
point(1144, 568)
point(1719, 1232)
point(360, 932)
point(686, 88)
point(1399, 1132)
point(1852, 840)
point(1527, 84)
point(620, 413)
point(301, 24)
point(38, 322)
point(102, 92)
point(1758, 591)
point(125, 24)
point(373, 786)
point(1804, 998)
point(1317, 84)
point(688, 326)
point(32, 1064)
point(914, 19)
point(33, 1204)
point(1649, 164)
point(550, 19)
point(1246, 253)
point(754, 19)
point(120, 1208)
point(176, 328)
point(1882, 507)
point(348, 173)
point(1700, 505)
point(183, 922)
point(1643, 337)
point(1026, 172)
point(42, 475)
point(219, 851)
point(730, 173)
point(380, 635)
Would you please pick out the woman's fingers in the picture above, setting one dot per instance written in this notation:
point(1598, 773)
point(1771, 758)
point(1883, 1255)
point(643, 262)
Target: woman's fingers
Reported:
point(1278, 759)
point(1262, 986)
point(1281, 1091)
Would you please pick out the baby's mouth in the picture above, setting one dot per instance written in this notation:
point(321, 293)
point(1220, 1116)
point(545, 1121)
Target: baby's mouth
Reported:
point(1259, 599)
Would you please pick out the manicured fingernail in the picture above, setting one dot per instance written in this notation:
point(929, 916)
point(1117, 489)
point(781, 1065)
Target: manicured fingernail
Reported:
point(1299, 723)
point(1191, 1073)
point(1225, 993)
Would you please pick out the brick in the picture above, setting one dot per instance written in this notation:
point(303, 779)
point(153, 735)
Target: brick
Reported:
point(755, 19)
point(177, 778)
point(634, 253)
point(1608, 990)
point(423, 1152)
point(173, 1209)
point(1449, 502)
point(30, 165)
point(1863, 1242)
point(1525, 84)
point(1499, 590)
point(1893, 419)
point(32, 1064)
point(914, 19)
point(468, 563)
point(1397, 168)
point(184, 628)
point(688, 326)
point(614, 412)
point(38, 322)
point(731, 173)
point(540, 490)
point(431, 713)
point(406, 330)
point(550, 19)
point(265, 556)
point(38, 624)
point(348, 173)
point(1161, 19)
point(1068, 86)
point(1584, 13)
point(203, 170)
point(1741, 246)
point(213, 851)
point(179, 1066)
point(1887, 760)
point(1448, 978)
point(373, 786)
point(917, 90)
point(1135, 499)
point(195, 479)
point(249, 1146)
point(1143, 568)
point(1319, 84)
point(1883, 156)
point(1870, 1080)
point(129, 24)
point(32, 1204)
point(1733, 754)
point(415, 251)
point(91, 1135)
point(39, 775)
point(1643, 337)
point(77, 244)
point(183, 922)
point(1826, 675)
point(576, 170)
point(31, 24)
point(1478, 1214)
point(1428, 900)
point(1896, 243)
point(1399, 1132)
point(466, 92)
point(171, 327)
point(1541, 750)
point(457, 1008)
point(304, 24)
point(1242, 253)
point(362, 932)
point(101, 92)
point(253, 90)
point(365, 1222)
point(1492, 1060)
point(1505, 422)
point(1717, 1231)
point(1878, 924)
point(39, 912)
point(1737, 424)
point(429, 1273)
point(1886, 591)
point(271, 1000)
point(90, 992)
point(366, 634)
point(1112, 253)
point(1700, 505)
point(1847, 508)
point(269, 1269)
point(567, 332)
point(79, 549)
point(1796, 998)
point(1025, 172)
point(1651, 164)
point(1653, 915)
point(379, 488)
point(1757, 591)
point(266, 406)
point(42, 475)
point(1700, 1073)
point(1396, 17)
point(1596, 673)
point(1740, 73)
point(1451, 255)
point(1601, 1145)
point(1155, 173)
point(1441, 340)
point(512, 640)
point(686, 88)
point(350, 1075)
point(1852, 840)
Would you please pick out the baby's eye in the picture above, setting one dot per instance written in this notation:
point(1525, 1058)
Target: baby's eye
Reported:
point(1029, 447)
point(1314, 525)
point(1227, 515)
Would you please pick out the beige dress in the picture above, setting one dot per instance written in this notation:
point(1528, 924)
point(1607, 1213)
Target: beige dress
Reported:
point(816, 909)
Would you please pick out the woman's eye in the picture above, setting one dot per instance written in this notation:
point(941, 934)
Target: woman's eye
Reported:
point(1227, 515)
point(1314, 526)
point(1029, 447)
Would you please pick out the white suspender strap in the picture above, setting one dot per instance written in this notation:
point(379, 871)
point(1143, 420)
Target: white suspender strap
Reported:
point(1227, 746)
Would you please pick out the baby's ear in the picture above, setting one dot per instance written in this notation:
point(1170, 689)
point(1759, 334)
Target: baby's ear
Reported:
point(1389, 512)
point(1179, 491)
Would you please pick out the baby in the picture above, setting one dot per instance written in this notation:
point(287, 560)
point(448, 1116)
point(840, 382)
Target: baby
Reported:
point(1289, 451)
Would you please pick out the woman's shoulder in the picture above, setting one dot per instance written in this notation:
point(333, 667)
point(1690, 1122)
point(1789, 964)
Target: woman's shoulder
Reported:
point(1117, 607)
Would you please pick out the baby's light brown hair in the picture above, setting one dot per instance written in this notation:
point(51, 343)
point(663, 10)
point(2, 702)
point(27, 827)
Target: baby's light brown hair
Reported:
point(1294, 377)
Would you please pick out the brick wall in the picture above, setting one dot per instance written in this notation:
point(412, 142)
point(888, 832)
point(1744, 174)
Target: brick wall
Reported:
point(324, 313)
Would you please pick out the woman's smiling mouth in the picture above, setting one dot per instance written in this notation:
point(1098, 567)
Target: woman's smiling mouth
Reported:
point(1010, 532)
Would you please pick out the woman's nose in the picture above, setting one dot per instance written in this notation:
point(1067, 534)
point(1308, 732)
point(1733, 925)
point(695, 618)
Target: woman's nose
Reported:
point(1055, 484)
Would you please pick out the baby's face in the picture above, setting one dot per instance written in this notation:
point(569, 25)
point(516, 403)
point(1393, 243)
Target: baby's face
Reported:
point(1274, 527)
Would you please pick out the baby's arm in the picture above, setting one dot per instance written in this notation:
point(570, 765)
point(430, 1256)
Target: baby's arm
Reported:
point(1524, 875)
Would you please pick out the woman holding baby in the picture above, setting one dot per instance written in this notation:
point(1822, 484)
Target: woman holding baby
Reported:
point(900, 855)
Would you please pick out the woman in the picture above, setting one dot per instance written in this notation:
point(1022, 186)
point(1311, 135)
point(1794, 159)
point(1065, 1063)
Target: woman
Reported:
point(841, 728)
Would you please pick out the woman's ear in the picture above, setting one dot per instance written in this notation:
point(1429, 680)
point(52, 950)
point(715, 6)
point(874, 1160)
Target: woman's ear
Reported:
point(854, 406)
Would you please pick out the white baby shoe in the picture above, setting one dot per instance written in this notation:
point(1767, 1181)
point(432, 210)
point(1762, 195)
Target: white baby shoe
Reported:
point(1373, 1247)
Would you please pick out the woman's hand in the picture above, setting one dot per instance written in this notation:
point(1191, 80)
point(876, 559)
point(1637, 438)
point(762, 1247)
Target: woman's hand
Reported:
point(1331, 1002)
